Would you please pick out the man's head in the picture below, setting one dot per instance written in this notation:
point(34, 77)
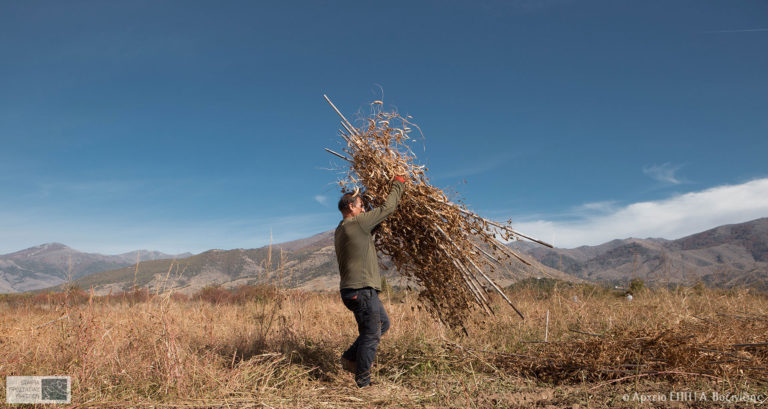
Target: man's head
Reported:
point(350, 205)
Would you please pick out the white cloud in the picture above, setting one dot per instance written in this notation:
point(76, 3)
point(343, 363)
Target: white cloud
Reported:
point(664, 173)
point(671, 218)
point(602, 207)
point(322, 199)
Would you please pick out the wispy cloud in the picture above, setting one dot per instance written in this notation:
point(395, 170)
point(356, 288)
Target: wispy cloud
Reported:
point(671, 218)
point(598, 207)
point(664, 173)
point(322, 199)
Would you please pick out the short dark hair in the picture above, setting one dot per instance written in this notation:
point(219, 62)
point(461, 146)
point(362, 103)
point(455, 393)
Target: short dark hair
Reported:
point(346, 200)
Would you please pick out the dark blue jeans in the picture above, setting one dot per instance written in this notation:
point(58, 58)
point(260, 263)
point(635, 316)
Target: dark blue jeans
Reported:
point(372, 323)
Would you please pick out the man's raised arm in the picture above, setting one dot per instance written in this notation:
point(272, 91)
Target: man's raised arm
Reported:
point(369, 220)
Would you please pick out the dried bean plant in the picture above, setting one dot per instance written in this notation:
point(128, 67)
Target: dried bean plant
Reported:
point(440, 245)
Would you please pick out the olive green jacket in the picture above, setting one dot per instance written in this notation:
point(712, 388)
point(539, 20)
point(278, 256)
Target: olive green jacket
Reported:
point(355, 251)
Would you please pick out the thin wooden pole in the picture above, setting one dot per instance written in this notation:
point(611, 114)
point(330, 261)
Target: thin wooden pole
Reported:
point(496, 287)
point(517, 233)
point(486, 253)
point(493, 223)
point(350, 130)
point(350, 127)
point(463, 268)
point(338, 154)
point(474, 289)
point(509, 251)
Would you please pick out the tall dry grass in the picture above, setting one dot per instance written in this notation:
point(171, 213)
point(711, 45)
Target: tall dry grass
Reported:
point(270, 347)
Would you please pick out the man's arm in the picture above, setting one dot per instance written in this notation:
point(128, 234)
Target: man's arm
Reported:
point(369, 220)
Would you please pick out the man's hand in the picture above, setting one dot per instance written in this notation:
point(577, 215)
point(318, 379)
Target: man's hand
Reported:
point(399, 179)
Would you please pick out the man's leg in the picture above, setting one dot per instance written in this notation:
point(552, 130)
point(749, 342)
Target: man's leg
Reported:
point(383, 317)
point(351, 353)
point(369, 327)
point(352, 300)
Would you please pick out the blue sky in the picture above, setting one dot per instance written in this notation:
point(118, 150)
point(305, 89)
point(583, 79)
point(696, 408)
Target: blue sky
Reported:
point(186, 125)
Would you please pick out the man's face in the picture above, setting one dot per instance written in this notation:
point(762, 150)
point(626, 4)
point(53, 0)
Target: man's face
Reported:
point(357, 207)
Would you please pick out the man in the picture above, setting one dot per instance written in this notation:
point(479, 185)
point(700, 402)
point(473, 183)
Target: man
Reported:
point(360, 279)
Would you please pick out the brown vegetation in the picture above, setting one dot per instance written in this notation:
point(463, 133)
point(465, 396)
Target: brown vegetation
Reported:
point(268, 347)
point(429, 239)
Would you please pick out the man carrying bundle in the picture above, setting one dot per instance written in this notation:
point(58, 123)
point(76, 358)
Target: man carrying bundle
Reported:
point(360, 279)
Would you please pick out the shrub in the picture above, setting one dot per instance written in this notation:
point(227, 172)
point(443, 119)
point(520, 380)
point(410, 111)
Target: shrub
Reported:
point(213, 294)
point(636, 285)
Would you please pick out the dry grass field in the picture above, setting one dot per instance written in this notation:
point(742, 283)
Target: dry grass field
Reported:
point(276, 348)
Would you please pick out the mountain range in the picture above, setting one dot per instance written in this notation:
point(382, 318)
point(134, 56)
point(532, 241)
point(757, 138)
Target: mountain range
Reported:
point(308, 263)
point(51, 264)
point(726, 256)
point(730, 255)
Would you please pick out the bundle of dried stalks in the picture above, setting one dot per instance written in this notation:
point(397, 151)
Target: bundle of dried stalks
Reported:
point(442, 246)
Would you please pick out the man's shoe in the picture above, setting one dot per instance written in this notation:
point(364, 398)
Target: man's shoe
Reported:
point(364, 382)
point(349, 366)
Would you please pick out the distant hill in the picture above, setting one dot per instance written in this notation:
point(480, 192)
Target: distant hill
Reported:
point(53, 263)
point(725, 256)
point(729, 255)
point(308, 263)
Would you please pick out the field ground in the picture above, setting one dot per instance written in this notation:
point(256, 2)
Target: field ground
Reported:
point(275, 348)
